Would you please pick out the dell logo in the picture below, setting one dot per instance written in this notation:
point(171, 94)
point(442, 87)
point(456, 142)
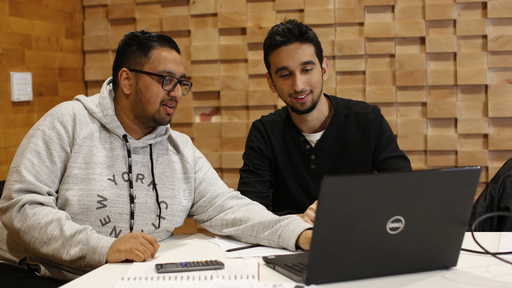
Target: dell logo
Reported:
point(395, 225)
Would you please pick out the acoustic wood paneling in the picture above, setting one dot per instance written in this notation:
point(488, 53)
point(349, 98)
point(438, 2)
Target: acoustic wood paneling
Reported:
point(45, 38)
point(439, 69)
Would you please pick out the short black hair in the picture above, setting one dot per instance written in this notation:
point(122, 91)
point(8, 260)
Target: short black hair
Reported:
point(134, 49)
point(288, 32)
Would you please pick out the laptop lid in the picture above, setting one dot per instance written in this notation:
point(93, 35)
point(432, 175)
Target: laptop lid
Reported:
point(391, 223)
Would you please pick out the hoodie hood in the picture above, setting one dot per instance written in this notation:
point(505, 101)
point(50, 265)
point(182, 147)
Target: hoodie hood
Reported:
point(101, 106)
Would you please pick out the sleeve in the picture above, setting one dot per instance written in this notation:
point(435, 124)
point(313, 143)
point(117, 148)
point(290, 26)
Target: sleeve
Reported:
point(36, 227)
point(223, 211)
point(387, 155)
point(256, 173)
point(496, 197)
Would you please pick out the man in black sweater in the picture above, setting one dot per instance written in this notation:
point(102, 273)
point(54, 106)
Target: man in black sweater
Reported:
point(289, 151)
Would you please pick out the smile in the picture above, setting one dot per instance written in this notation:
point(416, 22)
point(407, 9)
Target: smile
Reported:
point(169, 107)
point(302, 96)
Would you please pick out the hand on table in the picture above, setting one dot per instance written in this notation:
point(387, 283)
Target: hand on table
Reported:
point(136, 246)
point(304, 239)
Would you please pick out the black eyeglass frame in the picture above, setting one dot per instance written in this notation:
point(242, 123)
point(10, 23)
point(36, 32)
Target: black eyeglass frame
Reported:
point(178, 81)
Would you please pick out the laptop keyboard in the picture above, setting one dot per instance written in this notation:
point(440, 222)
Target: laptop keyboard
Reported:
point(300, 267)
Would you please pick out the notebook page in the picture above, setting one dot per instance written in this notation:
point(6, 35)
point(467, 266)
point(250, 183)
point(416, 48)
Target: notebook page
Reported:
point(143, 274)
point(505, 244)
point(227, 284)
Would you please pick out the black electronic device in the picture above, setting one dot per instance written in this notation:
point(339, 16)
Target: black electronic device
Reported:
point(189, 266)
point(384, 224)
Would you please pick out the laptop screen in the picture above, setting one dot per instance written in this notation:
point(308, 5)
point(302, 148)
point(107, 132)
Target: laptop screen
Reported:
point(390, 223)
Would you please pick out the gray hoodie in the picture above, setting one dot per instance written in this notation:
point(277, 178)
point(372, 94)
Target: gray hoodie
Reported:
point(66, 197)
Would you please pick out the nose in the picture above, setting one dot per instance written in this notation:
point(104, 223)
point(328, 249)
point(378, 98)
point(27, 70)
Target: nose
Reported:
point(176, 92)
point(298, 82)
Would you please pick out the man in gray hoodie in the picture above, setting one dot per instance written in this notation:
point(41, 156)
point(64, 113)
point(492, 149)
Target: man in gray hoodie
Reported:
point(103, 178)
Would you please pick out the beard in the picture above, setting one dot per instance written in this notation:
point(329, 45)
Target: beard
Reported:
point(306, 110)
point(146, 118)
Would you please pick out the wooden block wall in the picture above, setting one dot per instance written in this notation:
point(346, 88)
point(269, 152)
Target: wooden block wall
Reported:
point(439, 69)
point(45, 38)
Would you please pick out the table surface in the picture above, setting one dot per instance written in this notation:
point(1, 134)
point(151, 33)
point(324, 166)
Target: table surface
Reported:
point(472, 270)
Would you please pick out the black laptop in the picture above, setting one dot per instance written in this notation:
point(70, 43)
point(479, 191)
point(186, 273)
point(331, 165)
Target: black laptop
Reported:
point(385, 224)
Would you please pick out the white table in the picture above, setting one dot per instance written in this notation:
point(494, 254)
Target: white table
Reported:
point(473, 270)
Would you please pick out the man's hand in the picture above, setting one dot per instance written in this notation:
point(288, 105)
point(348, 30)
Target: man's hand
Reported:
point(310, 214)
point(304, 239)
point(136, 246)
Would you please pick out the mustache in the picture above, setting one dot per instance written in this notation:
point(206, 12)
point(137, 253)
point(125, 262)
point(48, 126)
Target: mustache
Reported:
point(174, 100)
point(295, 93)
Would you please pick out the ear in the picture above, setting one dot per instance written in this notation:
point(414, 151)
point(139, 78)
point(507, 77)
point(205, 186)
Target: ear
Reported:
point(325, 69)
point(271, 83)
point(125, 81)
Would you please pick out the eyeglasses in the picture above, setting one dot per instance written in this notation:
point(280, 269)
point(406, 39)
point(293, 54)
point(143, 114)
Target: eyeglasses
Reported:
point(169, 82)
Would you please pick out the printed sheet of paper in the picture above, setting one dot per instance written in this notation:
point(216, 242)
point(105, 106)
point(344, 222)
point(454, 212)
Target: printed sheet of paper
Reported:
point(143, 274)
point(226, 243)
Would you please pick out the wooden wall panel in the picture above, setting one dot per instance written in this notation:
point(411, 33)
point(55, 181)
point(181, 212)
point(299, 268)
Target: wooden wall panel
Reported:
point(45, 39)
point(439, 70)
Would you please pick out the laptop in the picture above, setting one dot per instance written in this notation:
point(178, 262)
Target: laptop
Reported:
point(385, 224)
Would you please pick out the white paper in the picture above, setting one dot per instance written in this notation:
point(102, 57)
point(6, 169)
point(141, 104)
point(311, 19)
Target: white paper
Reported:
point(228, 284)
point(505, 244)
point(226, 243)
point(143, 274)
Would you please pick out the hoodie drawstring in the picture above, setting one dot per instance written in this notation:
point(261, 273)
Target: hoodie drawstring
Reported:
point(130, 183)
point(154, 184)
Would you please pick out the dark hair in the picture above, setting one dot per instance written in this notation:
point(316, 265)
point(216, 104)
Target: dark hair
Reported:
point(288, 32)
point(134, 49)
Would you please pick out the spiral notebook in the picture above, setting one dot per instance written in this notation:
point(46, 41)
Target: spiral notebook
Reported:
point(143, 274)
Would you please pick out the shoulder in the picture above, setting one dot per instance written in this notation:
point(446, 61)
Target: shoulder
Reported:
point(277, 115)
point(62, 115)
point(181, 143)
point(269, 125)
point(72, 109)
point(343, 105)
point(68, 108)
point(71, 120)
point(274, 118)
point(180, 137)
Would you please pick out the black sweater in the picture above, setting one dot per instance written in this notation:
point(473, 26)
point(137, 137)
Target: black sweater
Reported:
point(282, 170)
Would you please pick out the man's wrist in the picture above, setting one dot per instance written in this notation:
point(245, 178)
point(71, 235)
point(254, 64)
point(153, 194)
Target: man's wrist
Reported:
point(304, 239)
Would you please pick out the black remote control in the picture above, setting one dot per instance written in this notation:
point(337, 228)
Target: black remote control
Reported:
point(189, 266)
